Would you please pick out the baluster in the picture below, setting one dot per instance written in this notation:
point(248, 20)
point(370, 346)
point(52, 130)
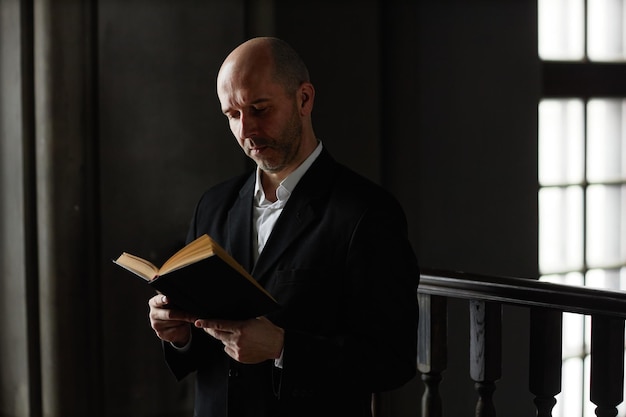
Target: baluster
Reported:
point(432, 352)
point(546, 337)
point(607, 364)
point(485, 352)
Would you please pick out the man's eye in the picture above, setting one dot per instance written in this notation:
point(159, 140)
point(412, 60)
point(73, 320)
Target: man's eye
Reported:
point(232, 115)
point(259, 110)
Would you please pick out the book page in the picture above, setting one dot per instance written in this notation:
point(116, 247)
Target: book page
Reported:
point(199, 249)
point(137, 265)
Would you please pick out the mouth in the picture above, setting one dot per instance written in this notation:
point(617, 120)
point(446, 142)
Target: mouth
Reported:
point(257, 150)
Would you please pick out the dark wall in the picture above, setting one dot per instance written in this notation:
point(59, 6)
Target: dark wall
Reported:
point(163, 140)
point(478, 89)
point(435, 100)
point(479, 84)
point(341, 43)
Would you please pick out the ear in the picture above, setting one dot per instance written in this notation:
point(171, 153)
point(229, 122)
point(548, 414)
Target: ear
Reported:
point(306, 98)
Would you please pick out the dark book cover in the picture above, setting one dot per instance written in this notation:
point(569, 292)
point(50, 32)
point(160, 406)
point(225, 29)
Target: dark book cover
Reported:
point(211, 288)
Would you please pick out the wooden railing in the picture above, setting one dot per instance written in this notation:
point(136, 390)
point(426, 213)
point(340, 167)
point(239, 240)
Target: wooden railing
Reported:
point(547, 303)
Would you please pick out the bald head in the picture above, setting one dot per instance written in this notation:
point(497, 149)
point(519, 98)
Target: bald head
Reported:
point(270, 54)
point(264, 91)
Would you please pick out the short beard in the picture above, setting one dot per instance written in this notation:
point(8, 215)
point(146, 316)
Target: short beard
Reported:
point(288, 145)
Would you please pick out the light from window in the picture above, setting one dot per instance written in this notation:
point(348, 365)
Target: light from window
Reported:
point(560, 229)
point(582, 179)
point(603, 278)
point(561, 141)
point(606, 144)
point(606, 215)
point(561, 29)
point(606, 30)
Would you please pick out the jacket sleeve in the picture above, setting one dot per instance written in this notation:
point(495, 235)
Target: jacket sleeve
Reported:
point(203, 351)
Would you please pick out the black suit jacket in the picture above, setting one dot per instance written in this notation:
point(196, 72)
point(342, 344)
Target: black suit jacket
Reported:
point(340, 264)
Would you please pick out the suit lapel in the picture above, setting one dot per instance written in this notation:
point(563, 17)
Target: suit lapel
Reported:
point(301, 209)
point(291, 223)
point(240, 226)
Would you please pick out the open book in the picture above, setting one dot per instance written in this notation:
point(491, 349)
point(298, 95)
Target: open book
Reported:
point(203, 279)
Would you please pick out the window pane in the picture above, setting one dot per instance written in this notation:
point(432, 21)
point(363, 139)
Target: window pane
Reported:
point(561, 141)
point(573, 342)
point(568, 402)
point(560, 229)
point(604, 278)
point(606, 144)
point(570, 278)
point(561, 29)
point(605, 41)
point(606, 215)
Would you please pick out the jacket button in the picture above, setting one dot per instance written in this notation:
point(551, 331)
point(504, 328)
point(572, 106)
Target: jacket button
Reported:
point(233, 373)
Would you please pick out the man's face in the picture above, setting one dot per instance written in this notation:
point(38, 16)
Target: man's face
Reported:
point(262, 116)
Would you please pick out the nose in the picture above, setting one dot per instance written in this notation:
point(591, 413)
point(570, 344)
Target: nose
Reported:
point(247, 127)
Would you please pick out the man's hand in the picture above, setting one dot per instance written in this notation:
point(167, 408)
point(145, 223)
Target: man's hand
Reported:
point(247, 341)
point(169, 324)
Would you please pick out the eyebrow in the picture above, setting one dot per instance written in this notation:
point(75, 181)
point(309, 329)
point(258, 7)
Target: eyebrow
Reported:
point(257, 101)
point(260, 100)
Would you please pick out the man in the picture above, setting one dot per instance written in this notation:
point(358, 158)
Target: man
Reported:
point(329, 245)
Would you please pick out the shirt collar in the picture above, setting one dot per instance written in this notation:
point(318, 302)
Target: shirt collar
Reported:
point(286, 186)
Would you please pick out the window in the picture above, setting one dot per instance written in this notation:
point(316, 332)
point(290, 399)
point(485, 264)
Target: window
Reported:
point(582, 167)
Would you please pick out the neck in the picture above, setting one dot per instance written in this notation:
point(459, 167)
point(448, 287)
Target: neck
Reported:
point(271, 180)
point(270, 183)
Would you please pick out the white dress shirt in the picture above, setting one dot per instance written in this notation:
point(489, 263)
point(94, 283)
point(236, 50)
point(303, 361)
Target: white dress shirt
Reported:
point(265, 213)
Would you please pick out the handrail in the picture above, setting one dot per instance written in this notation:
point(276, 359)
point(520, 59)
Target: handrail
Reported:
point(546, 302)
point(524, 292)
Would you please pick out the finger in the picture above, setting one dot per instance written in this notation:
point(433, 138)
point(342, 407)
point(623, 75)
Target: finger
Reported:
point(178, 334)
point(158, 301)
point(212, 333)
point(218, 334)
point(160, 309)
point(231, 352)
point(221, 325)
point(166, 326)
point(176, 315)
